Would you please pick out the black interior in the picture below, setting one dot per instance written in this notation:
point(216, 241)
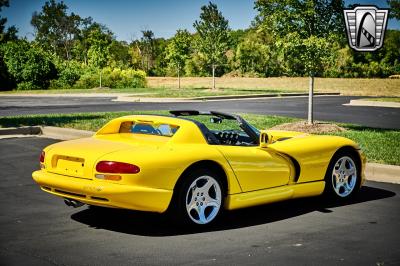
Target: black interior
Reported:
point(247, 136)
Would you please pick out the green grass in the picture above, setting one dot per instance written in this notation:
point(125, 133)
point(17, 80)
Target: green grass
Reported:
point(385, 99)
point(157, 92)
point(380, 145)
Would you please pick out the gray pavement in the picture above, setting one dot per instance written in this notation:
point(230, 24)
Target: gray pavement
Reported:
point(38, 229)
point(327, 108)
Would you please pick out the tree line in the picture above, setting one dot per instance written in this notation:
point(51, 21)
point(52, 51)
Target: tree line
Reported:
point(286, 38)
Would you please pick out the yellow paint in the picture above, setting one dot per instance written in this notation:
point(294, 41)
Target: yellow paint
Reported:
point(255, 174)
point(257, 168)
point(130, 197)
point(264, 196)
point(313, 152)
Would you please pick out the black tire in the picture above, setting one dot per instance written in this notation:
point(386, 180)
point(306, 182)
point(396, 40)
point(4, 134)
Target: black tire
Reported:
point(340, 185)
point(181, 200)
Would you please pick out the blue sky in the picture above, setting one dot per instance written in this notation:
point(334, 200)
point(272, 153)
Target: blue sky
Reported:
point(127, 18)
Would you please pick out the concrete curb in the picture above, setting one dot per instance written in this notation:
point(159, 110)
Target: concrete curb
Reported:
point(262, 95)
point(29, 130)
point(373, 171)
point(382, 173)
point(152, 99)
point(65, 133)
point(125, 98)
point(373, 103)
point(46, 131)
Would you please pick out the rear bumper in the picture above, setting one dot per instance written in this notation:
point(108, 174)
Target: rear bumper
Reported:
point(103, 193)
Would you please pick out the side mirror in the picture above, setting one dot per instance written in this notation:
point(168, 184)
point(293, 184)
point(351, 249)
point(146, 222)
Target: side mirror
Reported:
point(264, 139)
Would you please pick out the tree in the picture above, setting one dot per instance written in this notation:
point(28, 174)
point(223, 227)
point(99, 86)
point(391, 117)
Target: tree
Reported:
point(213, 36)
point(55, 29)
point(119, 53)
point(11, 33)
point(147, 49)
point(394, 9)
point(135, 55)
point(3, 21)
point(305, 24)
point(178, 51)
point(252, 54)
point(100, 40)
point(81, 44)
point(6, 80)
point(160, 62)
point(29, 65)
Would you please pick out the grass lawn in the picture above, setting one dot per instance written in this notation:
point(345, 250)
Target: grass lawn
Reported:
point(380, 145)
point(346, 86)
point(385, 99)
point(200, 86)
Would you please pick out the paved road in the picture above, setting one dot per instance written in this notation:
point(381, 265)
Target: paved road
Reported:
point(327, 108)
point(38, 229)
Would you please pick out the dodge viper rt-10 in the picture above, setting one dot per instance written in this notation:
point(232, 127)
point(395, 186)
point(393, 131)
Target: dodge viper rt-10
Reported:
point(197, 164)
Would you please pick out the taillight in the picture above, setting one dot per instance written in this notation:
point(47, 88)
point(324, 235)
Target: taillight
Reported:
point(41, 158)
point(117, 168)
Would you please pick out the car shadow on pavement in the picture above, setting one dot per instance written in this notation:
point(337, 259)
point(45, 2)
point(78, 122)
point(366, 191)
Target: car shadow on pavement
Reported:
point(153, 224)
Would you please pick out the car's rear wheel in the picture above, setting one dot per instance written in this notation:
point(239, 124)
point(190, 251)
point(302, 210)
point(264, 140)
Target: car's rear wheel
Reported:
point(200, 198)
point(343, 176)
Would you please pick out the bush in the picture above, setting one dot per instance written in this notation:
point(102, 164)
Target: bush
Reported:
point(113, 78)
point(89, 79)
point(29, 66)
point(69, 74)
point(7, 82)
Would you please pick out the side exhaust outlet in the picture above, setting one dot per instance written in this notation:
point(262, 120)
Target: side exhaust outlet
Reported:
point(73, 203)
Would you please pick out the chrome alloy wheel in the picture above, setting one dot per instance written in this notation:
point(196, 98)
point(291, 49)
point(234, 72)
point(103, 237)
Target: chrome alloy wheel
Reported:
point(344, 176)
point(203, 199)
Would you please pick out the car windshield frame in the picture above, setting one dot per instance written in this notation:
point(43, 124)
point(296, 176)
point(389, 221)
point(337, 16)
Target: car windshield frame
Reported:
point(249, 129)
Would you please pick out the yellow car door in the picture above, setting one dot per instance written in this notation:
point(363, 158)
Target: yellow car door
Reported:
point(256, 168)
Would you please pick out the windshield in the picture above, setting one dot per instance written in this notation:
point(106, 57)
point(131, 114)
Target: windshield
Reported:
point(228, 130)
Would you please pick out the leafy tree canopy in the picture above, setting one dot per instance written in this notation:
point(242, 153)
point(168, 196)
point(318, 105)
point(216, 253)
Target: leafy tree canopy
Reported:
point(11, 33)
point(213, 34)
point(57, 29)
point(179, 48)
point(29, 65)
point(394, 9)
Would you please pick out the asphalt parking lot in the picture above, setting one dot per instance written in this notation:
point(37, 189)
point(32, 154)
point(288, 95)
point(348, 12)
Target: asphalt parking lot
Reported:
point(38, 229)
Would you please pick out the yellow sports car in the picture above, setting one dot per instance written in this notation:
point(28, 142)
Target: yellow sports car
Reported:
point(157, 163)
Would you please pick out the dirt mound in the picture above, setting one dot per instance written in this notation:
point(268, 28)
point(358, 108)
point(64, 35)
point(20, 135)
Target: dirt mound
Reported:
point(316, 128)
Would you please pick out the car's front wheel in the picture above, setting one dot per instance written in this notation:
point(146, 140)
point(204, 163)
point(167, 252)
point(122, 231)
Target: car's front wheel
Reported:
point(200, 198)
point(342, 177)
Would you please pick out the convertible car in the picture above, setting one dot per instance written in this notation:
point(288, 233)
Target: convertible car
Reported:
point(197, 164)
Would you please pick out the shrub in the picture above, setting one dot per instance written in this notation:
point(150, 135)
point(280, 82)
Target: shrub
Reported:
point(89, 79)
point(7, 82)
point(113, 78)
point(30, 67)
point(70, 74)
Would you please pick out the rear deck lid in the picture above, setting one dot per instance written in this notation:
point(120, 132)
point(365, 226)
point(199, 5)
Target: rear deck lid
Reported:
point(77, 157)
